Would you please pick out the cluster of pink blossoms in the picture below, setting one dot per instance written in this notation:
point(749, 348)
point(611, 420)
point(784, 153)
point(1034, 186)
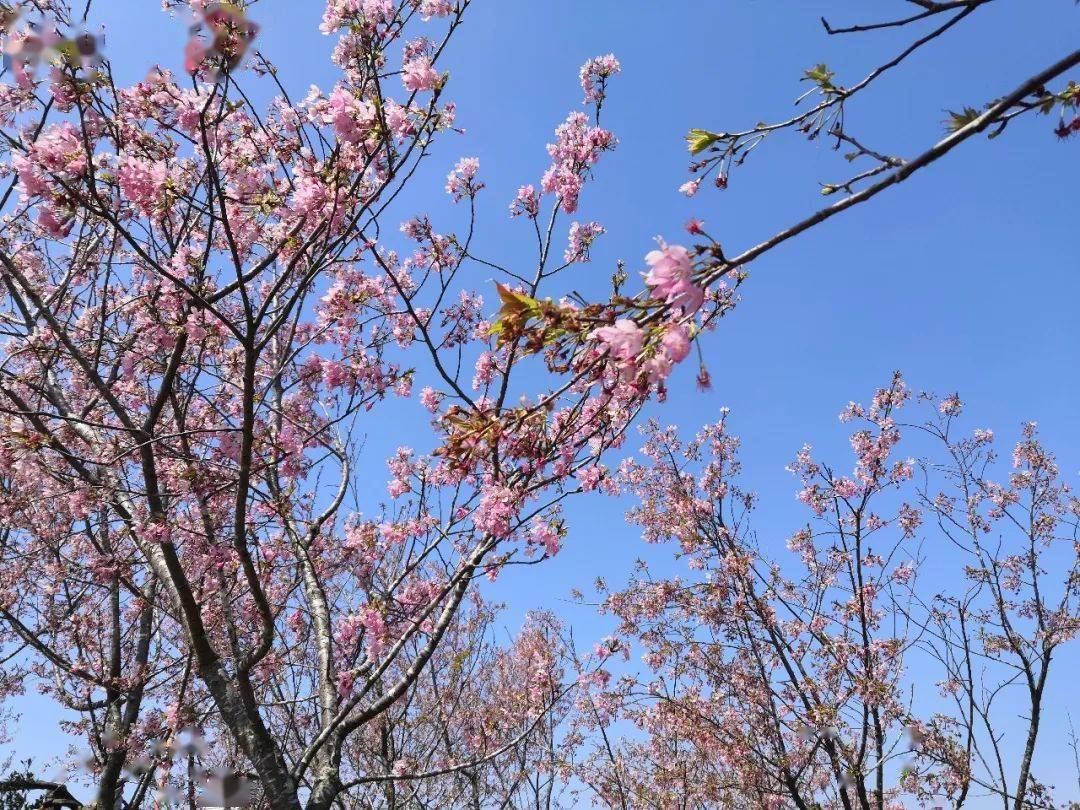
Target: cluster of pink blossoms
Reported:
point(418, 75)
point(339, 13)
point(526, 202)
point(485, 371)
point(577, 147)
point(594, 76)
point(369, 624)
point(625, 341)
point(401, 467)
point(498, 508)
point(671, 276)
point(673, 349)
point(431, 399)
point(434, 8)
point(57, 156)
point(546, 536)
point(142, 181)
point(461, 182)
point(671, 279)
point(581, 238)
point(417, 72)
point(353, 119)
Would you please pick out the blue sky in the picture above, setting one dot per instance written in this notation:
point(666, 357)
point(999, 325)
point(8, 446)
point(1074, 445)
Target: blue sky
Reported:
point(965, 277)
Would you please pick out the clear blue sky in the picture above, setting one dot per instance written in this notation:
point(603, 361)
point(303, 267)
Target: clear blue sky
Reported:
point(965, 277)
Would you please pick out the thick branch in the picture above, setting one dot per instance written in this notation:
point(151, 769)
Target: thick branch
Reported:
point(943, 147)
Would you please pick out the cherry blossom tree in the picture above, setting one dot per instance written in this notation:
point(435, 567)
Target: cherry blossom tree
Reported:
point(206, 303)
point(201, 309)
point(835, 677)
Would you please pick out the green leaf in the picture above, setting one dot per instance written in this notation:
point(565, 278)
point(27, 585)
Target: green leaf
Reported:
point(700, 140)
point(517, 309)
point(820, 75)
point(959, 120)
point(515, 302)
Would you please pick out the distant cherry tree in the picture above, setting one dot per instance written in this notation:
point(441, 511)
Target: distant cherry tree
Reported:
point(884, 659)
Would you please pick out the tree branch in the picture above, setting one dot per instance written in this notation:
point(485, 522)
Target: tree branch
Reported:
point(943, 147)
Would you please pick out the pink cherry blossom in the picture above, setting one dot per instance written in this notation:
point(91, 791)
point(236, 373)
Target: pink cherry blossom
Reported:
point(435, 8)
point(577, 148)
point(430, 399)
point(676, 342)
point(351, 118)
point(671, 277)
point(497, 509)
point(142, 181)
point(690, 188)
point(461, 182)
point(418, 75)
point(546, 536)
point(581, 238)
point(526, 202)
point(594, 76)
point(623, 340)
